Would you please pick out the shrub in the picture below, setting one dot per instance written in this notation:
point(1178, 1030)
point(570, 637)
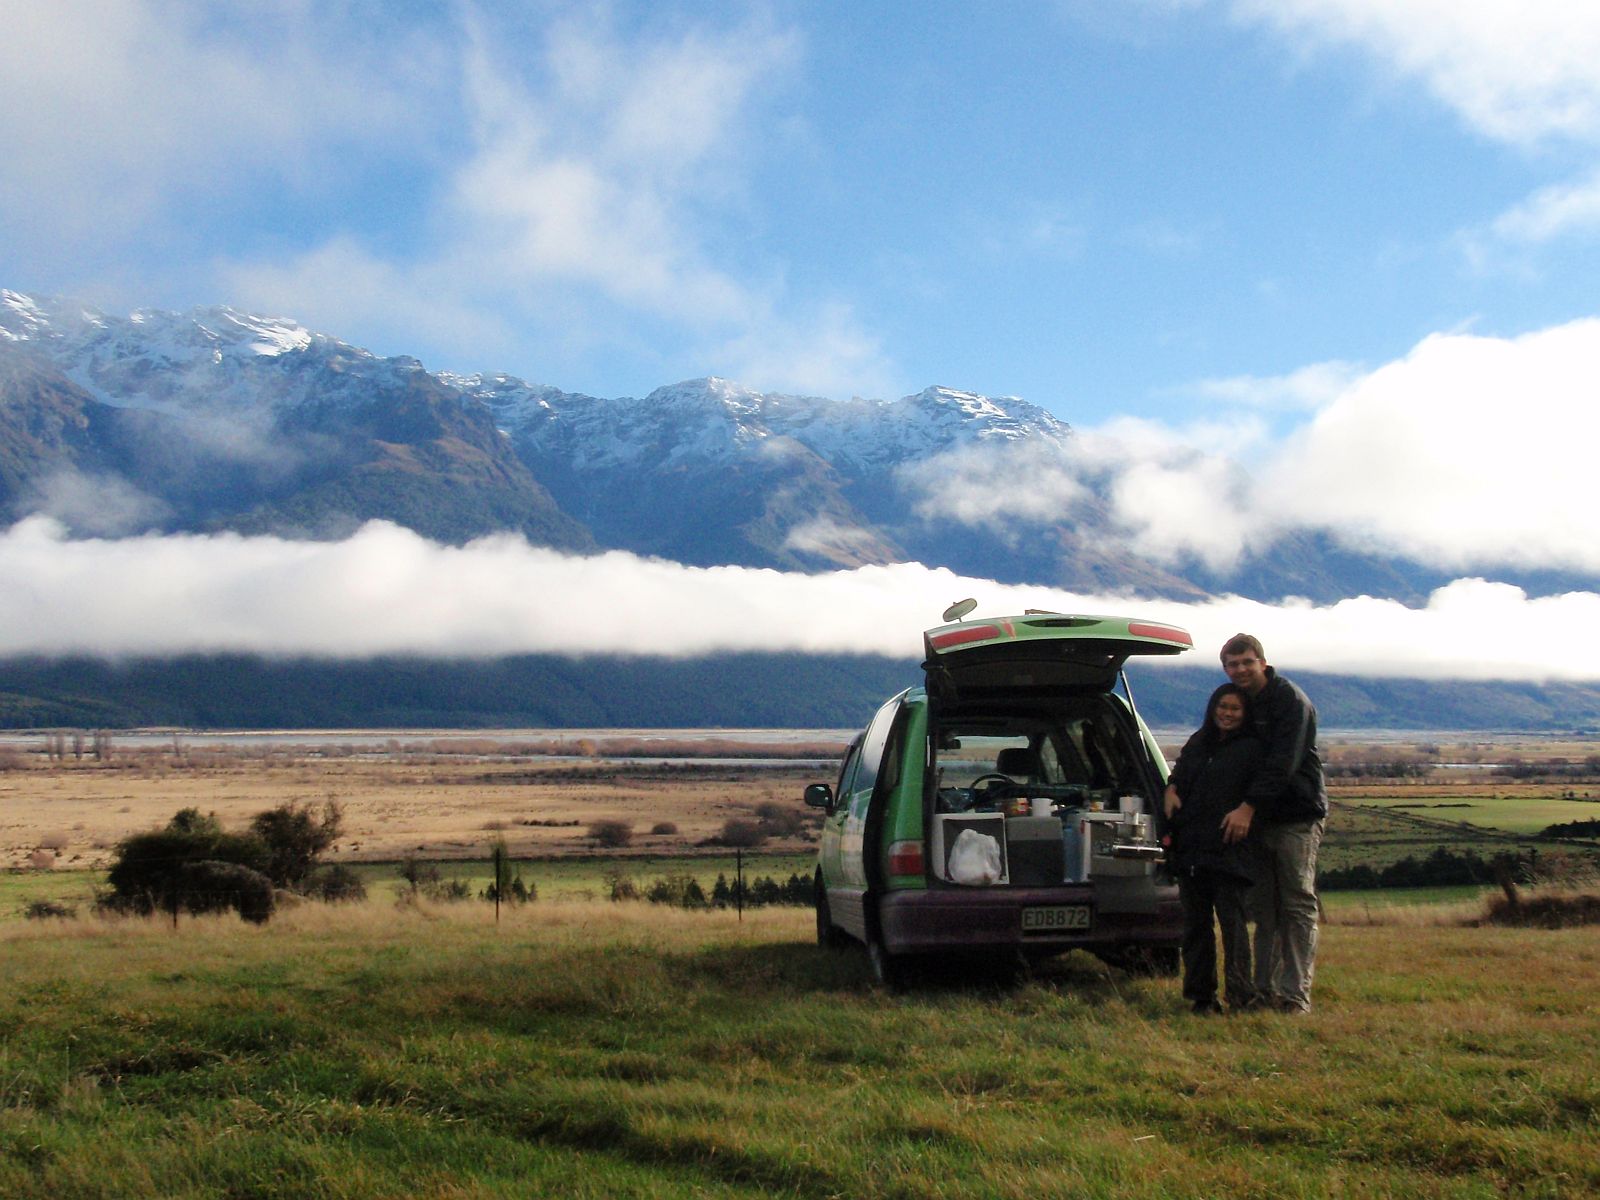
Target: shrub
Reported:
point(150, 871)
point(337, 884)
point(423, 879)
point(611, 834)
point(742, 832)
point(664, 829)
point(418, 875)
point(295, 836)
point(619, 885)
point(220, 886)
point(682, 891)
point(780, 820)
point(517, 891)
point(44, 910)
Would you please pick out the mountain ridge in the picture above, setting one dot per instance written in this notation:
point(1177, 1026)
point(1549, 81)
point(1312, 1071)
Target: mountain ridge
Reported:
point(219, 419)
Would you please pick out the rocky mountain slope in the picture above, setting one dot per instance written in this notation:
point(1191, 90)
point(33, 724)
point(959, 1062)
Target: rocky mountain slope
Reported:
point(216, 419)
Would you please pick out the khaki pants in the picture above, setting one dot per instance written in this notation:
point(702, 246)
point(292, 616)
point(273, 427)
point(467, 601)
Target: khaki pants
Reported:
point(1284, 904)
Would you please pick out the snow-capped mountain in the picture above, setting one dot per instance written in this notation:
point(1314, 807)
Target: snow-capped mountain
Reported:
point(218, 419)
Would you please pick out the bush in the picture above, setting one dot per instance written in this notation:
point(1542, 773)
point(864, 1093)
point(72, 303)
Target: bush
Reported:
point(150, 872)
point(1572, 829)
point(295, 836)
point(664, 829)
point(44, 910)
point(337, 884)
point(780, 820)
point(681, 891)
point(619, 885)
point(613, 835)
point(516, 891)
point(423, 879)
point(221, 886)
point(742, 833)
point(763, 890)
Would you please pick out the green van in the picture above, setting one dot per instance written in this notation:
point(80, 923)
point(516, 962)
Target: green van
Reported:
point(1009, 807)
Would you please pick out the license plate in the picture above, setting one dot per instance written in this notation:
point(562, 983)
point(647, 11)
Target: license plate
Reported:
point(1056, 918)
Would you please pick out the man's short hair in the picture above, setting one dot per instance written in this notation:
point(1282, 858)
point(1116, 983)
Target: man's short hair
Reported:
point(1241, 643)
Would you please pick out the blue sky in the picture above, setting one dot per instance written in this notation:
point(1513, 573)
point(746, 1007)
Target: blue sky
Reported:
point(1106, 208)
point(1288, 266)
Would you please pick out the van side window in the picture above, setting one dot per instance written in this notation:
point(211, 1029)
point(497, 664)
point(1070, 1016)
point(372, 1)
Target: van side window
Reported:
point(847, 771)
point(872, 747)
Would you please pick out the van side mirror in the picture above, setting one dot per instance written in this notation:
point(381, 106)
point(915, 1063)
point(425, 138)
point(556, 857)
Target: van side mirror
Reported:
point(819, 795)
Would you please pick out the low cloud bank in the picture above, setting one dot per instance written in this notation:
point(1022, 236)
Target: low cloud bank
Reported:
point(388, 591)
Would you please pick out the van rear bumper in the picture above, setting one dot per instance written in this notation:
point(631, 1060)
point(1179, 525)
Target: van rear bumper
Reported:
point(945, 920)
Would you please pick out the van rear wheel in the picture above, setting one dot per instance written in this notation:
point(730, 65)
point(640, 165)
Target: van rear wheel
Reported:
point(829, 935)
point(888, 970)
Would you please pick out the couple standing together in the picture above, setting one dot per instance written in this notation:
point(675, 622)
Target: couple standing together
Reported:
point(1245, 811)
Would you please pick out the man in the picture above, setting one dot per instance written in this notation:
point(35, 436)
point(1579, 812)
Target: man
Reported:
point(1287, 805)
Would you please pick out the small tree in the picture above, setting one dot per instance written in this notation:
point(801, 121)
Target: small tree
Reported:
point(295, 836)
point(149, 873)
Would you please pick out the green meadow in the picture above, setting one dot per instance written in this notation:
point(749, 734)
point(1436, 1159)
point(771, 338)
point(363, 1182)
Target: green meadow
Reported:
point(1509, 813)
point(591, 1049)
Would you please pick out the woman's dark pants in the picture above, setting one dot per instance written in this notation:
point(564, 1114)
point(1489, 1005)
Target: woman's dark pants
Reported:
point(1208, 896)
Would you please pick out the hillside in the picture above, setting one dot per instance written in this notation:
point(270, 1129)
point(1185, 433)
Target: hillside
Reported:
point(726, 691)
point(217, 419)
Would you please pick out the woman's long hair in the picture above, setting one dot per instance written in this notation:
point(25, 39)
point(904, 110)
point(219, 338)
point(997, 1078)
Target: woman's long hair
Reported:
point(1208, 728)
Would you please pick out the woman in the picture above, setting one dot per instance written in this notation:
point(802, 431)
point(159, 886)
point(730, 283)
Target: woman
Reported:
point(1211, 774)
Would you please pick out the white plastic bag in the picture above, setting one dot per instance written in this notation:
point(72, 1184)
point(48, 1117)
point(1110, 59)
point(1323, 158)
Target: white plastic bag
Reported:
point(975, 859)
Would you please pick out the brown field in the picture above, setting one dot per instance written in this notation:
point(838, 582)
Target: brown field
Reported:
point(394, 805)
point(448, 798)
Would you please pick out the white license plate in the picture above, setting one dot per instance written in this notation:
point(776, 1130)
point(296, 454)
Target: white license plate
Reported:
point(1055, 918)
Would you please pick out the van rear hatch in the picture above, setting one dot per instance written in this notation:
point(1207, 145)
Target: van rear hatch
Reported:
point(1047, 652)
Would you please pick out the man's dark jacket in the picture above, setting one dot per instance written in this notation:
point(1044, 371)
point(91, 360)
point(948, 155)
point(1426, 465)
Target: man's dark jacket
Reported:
point(1289, 785)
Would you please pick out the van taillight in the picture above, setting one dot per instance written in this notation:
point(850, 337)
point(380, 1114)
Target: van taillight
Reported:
point(905, 858)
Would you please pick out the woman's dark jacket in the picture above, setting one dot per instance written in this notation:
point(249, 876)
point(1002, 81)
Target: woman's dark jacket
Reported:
point(1211, 777)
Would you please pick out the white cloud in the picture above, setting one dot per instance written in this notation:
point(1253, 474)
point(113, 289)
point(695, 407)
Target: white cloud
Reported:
point(997, 483)
point(135, 111)
point(388, 591)
point(1552, 212)
point(1305, 389)
point(1515, 72)
point(1470, 454)
point(596, 184)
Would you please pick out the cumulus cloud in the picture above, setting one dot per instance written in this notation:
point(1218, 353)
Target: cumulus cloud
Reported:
point(1515, 72)
point(1472, 453)
point(387, 591)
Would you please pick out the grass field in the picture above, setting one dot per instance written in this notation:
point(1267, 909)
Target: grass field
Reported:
point(1508, 811)
point(589, 1049)
point(600, 1050)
